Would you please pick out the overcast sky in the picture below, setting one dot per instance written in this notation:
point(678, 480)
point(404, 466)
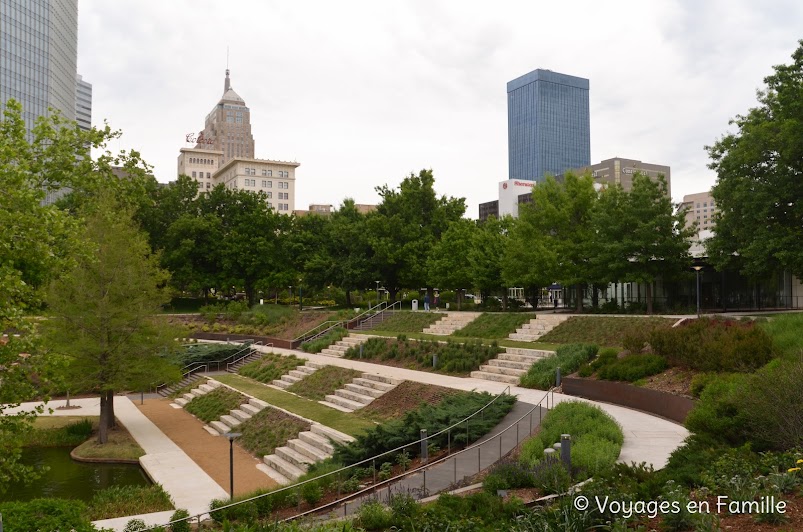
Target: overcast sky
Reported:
point(362, 93)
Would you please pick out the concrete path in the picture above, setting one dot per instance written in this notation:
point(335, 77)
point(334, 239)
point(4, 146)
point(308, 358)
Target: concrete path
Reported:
point(164, 462)
point(648, 438)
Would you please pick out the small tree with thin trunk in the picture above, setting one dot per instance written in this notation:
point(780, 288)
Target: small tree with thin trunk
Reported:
point(104, 311)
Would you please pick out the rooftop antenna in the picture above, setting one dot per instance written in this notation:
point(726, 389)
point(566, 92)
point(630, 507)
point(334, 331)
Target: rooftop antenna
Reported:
point(227, 57)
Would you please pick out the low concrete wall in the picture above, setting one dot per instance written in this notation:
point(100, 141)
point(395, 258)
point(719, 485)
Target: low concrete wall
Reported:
point(225, 337)
point(662, 404)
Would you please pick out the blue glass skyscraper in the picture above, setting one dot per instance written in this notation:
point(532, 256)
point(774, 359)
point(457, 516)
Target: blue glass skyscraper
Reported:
point(548, 124)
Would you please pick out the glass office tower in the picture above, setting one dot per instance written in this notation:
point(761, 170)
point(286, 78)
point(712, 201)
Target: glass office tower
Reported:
point(548, 124)
point(39, 55)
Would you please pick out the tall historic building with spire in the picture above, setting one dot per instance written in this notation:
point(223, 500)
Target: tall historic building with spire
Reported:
point(224, 155)
point(228, 126)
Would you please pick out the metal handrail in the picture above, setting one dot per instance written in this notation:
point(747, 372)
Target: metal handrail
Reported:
point(194, 367)
point(338, 471)
point(378, 485)
point(387, 307)
point(315, 333)
point(251, 352)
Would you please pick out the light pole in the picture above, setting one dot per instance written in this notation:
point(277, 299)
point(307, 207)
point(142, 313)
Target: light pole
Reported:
point(377, 292)
point(300, 295)
point(697, 269)
point(290, 289)
point(231, 436)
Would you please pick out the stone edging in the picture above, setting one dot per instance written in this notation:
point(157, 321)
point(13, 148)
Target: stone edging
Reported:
point(92, 460)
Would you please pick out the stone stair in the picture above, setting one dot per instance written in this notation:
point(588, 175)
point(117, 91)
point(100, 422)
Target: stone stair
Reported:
point(537, 327)
point(229, 422)
point(203, 388)
point(509, 366)
point(289, 462)
point(192, 378)
point(360, 392)
point(453, 321)
point(296, 375)
point(339, 348)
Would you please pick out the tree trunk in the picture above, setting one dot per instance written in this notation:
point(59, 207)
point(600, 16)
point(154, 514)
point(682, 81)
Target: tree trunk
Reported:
point(103, 435)
point(579, 293)
point(504, 299)
point(348, 298)
point(110, 419)
point(392, 292)
point(649, 297)
point(459, 299)
point(594, 296)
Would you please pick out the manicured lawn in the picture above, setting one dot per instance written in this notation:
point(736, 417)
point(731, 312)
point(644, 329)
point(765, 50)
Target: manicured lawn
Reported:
point(324, 382)
point(57, 422)
point(121, 446)
point(409, 322)
point(495, 325)
point(342, 421)
point(547, 346)
point(602, 330)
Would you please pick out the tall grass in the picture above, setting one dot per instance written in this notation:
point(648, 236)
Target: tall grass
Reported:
point(268, 429)
point(568, 358)
point(270, 367)
point(118, 501)
point(324, 382)
point(214, 404)
point(401, 322)
point(785, 331)
point(322, 342)
point(494, 325)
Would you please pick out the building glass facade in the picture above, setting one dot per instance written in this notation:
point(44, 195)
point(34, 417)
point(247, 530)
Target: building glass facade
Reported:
point(83, 104)
point(38, 56)
point(549, 127)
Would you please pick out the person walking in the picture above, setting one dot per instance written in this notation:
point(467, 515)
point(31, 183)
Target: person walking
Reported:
point(426, 301)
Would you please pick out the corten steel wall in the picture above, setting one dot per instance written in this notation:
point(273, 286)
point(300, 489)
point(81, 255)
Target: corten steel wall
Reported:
point(663, 404)
point(277, 342)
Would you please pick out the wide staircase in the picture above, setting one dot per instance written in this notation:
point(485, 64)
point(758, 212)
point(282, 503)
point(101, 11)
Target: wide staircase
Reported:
point(453, 321)
point(537, 327)
point(295, 375)
point(360, 392)
point(188, 380)
point(339, 348)
point(289, 462)
point(509, 366)
point(227, 422)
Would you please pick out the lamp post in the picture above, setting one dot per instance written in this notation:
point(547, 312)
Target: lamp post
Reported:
point(300, 295)
point(377, 292)
point(290, 289)
point(697, 269)
point(231, 436)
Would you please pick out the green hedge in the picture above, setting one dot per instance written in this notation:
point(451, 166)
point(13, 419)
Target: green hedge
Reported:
point(568, 358)
point(45, 514)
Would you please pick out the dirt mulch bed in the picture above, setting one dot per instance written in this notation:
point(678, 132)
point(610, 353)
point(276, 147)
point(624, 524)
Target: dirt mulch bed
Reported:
point(403, 398)
point(211, 453)
point(674, 380)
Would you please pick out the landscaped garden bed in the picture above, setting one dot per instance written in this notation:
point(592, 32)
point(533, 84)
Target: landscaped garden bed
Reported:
point(403, 398)
point(603, 330)
point(210, 406)
point(494, 325)
point(267, 429)
point(270, 367)
point(406, 322)
point(451, 358)
point(323, 382)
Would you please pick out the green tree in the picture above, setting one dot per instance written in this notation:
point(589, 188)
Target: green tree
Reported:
point(759, 190)
point(164, 206)
point(103, 310)
point(192, 249)
point(36, 243)
point(405, 226)
point(449, 266)
point(641, 236)
point(486, 255)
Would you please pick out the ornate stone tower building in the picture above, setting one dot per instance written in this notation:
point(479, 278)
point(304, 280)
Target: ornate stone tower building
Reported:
point(228, 127)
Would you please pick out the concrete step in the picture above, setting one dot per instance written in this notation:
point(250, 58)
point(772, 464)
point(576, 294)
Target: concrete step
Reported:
point(290, 379)
point(330, 433)
point(240, 414)
point(231, 421)
point(322, 443)
point(275, 475)
point(381, 378)
point(376, 385)
point(283, 467)
point(310, 451)
point(364, 390)
point(354, 396)
point(198, 392)
point(219, 426)
point(306, 369)
point(206, 387)
point(331, 353)
point(181, 401)
point(297, 374)
point(497, 377)
point(214, 384)
point(345, 403)
point(502, 370)
point(258, 403)
point(333, 406)
point(282, 384)
point(523, 351)
point(524, 359)
point(524, 337)
point(294, 457)
point(189, 396)
point(314, 365)
point(248, 408)
point(509, 364)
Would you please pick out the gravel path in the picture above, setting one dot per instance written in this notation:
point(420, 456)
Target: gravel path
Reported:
point(211, 453)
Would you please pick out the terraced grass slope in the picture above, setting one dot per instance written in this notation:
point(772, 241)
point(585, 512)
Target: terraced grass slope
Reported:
point(494, 325)
point(603, 330)
point(402, 321)
point(323, 382)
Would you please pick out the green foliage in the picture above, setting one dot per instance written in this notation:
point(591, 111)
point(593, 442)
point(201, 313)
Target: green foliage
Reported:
point(322, 342)
point(183, 526)
point(714, 345)
point(603, 330)
point(758, 191)
point(118, 501)
point(550, 475)
point(486, 255)
point(568, 358)
point(699, 382)
point(453, 357)
point(447, 265)
point(45, 514)
point(324, 382)
point(784, 330)
point(68, 436)
point(135, 525)
point(596, 437)
point(201, 353)
point(374, 515)
point(267, 429)
point(494, 325)
point(719, 413)
point(210, 406)
point(632, 368)
point(270, 367)
point(507, 475)
point(687, 463)
point(401, 322)
point(434, 418)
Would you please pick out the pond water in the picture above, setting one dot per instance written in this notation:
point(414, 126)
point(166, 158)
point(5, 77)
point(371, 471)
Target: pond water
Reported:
point(69, 479)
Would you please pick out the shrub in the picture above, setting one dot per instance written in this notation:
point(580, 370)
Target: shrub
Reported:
point(45, 514)
point(373, 515)
point(719, 413)
point(632, 368)
point(593, 454)
point(311, 493)
point(508, 475)
point(699, 382)
point(604, 357)
point(568, 358)
point(687, 463)
point(551, 476)
point(323, 382)
point(183, 526)
point(135, 525)
point(714, 345)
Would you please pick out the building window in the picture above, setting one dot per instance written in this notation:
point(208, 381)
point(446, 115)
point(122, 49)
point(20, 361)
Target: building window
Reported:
point(270, 195)
point(264, 184)
point(270, 173)
point(698, 204)
point(264, 172)
point(705, 204)
point(270, 205)
point(209, 185)
point(200, 185)
point(270, 184)
point(209, 175)
point(193, 174)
